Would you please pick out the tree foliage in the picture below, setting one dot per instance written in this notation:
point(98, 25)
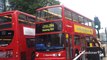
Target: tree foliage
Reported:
point(30, 6)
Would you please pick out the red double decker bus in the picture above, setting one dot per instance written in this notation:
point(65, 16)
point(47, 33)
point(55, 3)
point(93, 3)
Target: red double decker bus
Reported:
point(17, 35)
point(61, 34)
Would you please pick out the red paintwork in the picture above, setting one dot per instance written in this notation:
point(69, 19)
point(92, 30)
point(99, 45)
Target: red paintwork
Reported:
point(68, 28)
point(50, 55)
point(18, 43)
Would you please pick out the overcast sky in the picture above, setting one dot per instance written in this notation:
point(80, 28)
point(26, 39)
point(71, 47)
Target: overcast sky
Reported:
point(89, 8)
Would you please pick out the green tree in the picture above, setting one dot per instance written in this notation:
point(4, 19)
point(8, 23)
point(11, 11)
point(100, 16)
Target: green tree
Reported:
point(30, 6)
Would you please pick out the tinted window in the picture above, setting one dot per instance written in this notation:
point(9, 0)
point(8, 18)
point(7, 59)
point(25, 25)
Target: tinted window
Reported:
point(6, 37)
point(75, 17)
point(86, 21)
point(68, 14)
point(50, 42)
point(49, 14)
point(4, 26)
point(30, 42)
point(23, 19)
point(31, 20)
point(90, 23)
point(6, 18)
point(77, 40)
point(81, 20)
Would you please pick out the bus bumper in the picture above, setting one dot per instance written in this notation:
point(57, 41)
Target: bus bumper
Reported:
point(8, 59)
point(49, 58)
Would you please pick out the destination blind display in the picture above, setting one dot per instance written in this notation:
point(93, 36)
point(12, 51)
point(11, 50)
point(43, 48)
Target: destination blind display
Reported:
point(49, 27)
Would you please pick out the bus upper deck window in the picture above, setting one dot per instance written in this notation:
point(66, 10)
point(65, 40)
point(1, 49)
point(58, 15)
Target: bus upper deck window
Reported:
point(85, 21)
point(68, 14)
point(31, 20)
point(6, 37)
point(22, 19)
point(54, 13)
point(90, 23)
point(77, 39)
point(81, 20)
point(75, 17)
point(6, 18)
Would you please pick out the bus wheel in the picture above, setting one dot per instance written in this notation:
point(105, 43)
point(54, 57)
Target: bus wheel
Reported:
point(33, 56)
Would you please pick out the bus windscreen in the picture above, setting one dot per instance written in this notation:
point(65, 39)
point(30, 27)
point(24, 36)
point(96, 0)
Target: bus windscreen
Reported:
point(50, 42)
point(6, 37)
point(5, 21)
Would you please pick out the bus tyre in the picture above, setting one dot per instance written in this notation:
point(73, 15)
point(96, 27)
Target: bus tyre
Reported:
point(33, 56)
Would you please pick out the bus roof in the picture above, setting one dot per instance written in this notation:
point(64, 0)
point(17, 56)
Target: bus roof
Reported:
point(49, 7)
point(14, 11)
point(64, 7)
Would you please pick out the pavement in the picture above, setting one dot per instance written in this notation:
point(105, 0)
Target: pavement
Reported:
point(105, 58)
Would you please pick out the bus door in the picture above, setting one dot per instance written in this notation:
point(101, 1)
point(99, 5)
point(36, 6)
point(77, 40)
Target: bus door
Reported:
point(77, 45)
point(68, 46)
point(83, 42)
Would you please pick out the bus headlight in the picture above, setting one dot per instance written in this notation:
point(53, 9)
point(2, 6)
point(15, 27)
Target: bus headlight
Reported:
point(59, 54)
point(37, 55)
point(54, 54)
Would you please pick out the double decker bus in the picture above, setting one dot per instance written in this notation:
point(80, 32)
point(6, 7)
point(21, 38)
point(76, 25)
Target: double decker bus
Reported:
point(17, 35)
point(61, 33)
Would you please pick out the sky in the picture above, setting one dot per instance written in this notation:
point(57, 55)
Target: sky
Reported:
point(89, 8)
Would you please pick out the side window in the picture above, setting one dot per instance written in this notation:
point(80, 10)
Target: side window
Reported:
point(68, 14)
point(88, 39)
point(77, 40)
point(31, 20)
point(75, 17)
point(30, 42)
point(6, 18)
point(90, 23)
point(22, 19)
point(81, 20)
point(86, 21)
